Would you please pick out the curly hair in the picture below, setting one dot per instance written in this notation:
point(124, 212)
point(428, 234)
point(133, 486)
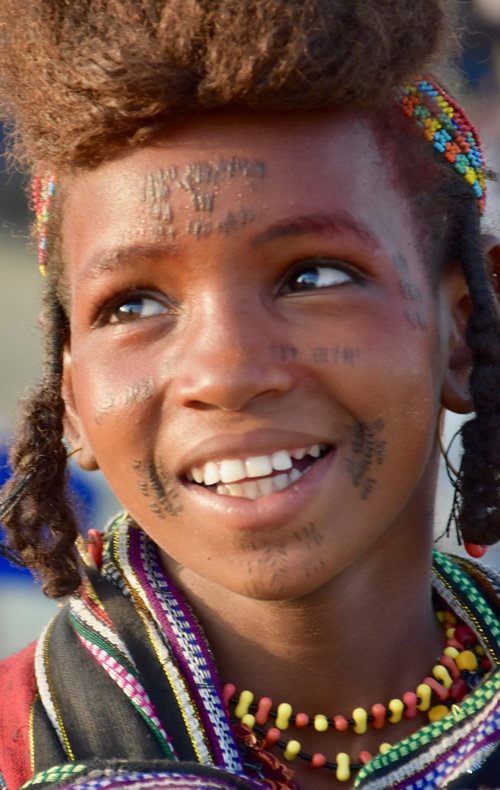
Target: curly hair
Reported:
point(81, 82)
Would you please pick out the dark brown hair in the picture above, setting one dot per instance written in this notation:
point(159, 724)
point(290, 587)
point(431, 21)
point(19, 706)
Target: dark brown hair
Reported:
point(82, 81)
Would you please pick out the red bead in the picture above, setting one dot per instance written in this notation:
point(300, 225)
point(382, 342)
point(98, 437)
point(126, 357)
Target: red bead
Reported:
point(301, 720)
point(341, 724)
point(365, 757)
point(318, 760)
point(94, 546)
point(410, 700)
point(454, 643)
point(441, 693)
point(475, 549)
point(378, 712)
point(228, 692)
point(451, 666)
point(486, 663)
point(465, 635)
point(272, 736)
point(263, 710)
point(458, 690)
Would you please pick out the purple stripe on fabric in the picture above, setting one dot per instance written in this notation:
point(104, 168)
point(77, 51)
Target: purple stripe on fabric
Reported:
point(462, 756)
point(136, 562)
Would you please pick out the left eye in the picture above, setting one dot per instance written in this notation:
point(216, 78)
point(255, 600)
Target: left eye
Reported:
point(136, 308)
point(317, 275)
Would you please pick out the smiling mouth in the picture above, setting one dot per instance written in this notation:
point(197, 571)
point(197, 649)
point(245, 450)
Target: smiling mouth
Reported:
point(257, 476)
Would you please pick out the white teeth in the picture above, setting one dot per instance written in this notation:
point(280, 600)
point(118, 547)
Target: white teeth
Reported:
point(280, 482)
point(250, 490)
point(210, 473)
point(230, 471)
point(281, 460)
point(265, 486)
point(259, 466)
point(197, 474)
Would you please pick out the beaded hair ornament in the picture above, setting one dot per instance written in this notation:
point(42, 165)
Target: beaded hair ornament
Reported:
point(438, 116)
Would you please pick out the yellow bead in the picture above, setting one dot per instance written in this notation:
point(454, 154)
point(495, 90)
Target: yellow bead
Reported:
point(360, 717)
point(437, 712)
point(478, 650)
point(452, 652)
point(283, 713)
point(384, 747)
point(450, 632)
point(291, 750)
point(450, 618)
point(244, 702)
point(343, 772)
point(320, 722)
point(442, 674)
point(466, 660)
point(248, 720)
point(424, 694)
point(396, 706)
point(441, 616)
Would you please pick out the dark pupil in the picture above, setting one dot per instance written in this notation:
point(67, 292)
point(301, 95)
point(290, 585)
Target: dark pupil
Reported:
point(305, 280)
point(130, 309)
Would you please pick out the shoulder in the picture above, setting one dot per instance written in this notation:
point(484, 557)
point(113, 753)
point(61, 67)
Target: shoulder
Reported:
point(18, 691)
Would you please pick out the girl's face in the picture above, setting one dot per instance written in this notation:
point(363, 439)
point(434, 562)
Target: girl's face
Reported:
point(256, 357)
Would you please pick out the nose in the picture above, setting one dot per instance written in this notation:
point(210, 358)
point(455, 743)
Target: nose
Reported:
point(226, 360)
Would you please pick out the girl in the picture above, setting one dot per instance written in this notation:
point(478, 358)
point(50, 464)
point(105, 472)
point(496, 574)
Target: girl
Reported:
point(259, 225)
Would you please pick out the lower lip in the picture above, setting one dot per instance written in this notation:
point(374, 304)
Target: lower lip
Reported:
point(276, 509)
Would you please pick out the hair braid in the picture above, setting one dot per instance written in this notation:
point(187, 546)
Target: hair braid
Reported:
point(36, 511)
point(478, 485)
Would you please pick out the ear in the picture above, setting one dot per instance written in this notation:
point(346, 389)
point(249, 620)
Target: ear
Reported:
point(73, 428)
point(455, 393)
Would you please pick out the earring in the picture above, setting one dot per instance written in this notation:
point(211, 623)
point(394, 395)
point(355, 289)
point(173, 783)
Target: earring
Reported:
point(475, 550)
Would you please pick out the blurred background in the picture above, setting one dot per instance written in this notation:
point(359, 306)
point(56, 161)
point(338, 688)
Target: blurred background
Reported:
point(23, 608)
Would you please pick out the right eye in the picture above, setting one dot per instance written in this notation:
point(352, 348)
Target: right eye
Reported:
point(135, 308)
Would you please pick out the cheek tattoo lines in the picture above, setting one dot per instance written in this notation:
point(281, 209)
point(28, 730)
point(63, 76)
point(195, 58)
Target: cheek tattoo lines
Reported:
point(157, 487)
point(367, 449)
point(200, 180)
point(414, 313)
point(135, 394)
point(320, 355)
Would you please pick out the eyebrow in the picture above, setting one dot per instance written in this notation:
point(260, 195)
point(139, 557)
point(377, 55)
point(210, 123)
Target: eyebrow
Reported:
point(102, 262)
point(337, 223)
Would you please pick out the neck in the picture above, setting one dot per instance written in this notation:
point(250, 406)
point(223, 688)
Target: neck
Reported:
point(366, 636)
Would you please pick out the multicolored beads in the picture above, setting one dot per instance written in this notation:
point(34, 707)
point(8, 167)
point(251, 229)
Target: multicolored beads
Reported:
point(450, 680)
point(43, 189)
point(446, 126)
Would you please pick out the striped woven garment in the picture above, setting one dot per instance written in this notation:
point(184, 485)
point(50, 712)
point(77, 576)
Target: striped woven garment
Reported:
point(124, 674)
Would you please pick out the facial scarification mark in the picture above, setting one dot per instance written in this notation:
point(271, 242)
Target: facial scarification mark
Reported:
point(324, 355)
point(415, 312)
point(157, 486)
point(200, 180)
point(284, 352)
point(367, 450)
point(157, 195)
point(134, 394)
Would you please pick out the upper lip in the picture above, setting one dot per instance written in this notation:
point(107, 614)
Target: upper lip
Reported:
point(244, 445)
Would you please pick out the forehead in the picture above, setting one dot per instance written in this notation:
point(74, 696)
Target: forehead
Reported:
point(258, 165)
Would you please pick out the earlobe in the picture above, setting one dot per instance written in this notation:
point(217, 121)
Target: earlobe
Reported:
point(73, 429)
point(455, 391)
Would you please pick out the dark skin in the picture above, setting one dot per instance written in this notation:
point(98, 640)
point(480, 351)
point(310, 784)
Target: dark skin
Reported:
point(330, 577)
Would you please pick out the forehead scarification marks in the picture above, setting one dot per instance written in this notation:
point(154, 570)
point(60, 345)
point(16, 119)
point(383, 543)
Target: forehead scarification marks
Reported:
point(200, 180)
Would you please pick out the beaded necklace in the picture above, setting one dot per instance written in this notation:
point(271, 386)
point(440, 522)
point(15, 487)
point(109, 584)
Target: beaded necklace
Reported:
point(458, 671)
